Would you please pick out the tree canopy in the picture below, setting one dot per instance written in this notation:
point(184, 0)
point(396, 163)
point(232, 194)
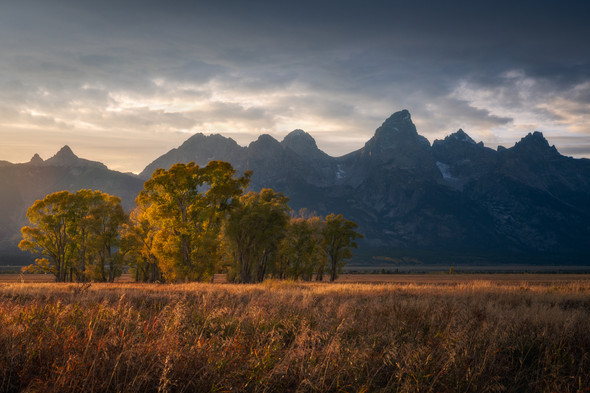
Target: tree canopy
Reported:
point(189, 223)
point(185, 206)
point(301, 253)
point(254, 230)
point(338, 239)
point(76, 235)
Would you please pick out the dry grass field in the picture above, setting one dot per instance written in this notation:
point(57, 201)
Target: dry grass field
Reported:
point(422, 333)
point(405, 278)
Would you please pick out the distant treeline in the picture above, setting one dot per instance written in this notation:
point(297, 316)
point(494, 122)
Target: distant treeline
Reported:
point(189, 223)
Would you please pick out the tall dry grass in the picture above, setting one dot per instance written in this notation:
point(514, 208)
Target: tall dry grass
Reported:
point(281, 336)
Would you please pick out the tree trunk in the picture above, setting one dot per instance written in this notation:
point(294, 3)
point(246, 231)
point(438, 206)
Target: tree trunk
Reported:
point(261, 271)
point(334, 263)
point(83, 263)
point(244, 263)
point(185, 250)
point(102, 258)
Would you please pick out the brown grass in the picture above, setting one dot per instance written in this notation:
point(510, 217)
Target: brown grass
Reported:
point(430, 336)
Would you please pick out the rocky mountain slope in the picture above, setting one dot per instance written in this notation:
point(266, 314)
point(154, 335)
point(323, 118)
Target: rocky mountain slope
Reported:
point(454, 200)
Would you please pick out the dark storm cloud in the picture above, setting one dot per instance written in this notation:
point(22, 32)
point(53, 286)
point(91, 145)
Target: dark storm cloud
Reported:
point(337, 69)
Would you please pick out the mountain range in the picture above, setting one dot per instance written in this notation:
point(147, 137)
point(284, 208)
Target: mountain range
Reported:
point(22, 184)
point(452, 201)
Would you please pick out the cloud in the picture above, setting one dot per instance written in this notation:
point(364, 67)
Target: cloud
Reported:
point(142, 72)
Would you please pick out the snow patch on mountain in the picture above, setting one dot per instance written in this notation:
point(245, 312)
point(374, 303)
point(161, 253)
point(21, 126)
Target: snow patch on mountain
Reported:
point(445, 170)
point(339, 172)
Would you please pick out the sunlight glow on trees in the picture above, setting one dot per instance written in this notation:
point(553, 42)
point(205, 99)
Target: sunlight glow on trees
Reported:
point(186, 205)
point(76, 235)
point(189, 223)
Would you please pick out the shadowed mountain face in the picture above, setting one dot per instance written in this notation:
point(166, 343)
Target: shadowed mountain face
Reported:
point(22, 184)
point(455, 201)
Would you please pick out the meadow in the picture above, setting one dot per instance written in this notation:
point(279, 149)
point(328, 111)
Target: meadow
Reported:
point(395, 333)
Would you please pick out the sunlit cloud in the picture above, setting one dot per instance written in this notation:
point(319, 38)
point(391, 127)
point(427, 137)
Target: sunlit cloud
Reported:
point(124, 84)
point(532, 104)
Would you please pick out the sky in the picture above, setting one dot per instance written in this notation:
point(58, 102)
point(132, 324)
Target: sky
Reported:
point(123, 82)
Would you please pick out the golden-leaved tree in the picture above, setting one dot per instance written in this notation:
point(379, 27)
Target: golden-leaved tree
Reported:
point(76, 235)
point(105, 222)
point(138, 243)
point(184, 207)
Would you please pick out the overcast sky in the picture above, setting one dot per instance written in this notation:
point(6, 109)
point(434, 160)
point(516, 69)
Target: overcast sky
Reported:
point(123, 82)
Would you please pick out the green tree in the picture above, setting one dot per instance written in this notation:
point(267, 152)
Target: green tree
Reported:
point(338, 239)
point(301, 253)
point(187, 205)
point(253, 231)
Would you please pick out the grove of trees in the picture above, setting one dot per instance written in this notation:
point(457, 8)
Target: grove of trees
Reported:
point(189, 223)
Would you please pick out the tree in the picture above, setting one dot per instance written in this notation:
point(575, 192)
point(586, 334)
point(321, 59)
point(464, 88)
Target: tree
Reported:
point(137, 243)
point(84, 201)
point(70, 231)
point(105, 221)
point(50, 234)
point(186, 205)
point(338, 239)
point(253, 231)
point(301, 253)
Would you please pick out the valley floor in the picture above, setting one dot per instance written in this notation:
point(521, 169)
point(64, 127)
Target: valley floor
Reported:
point(430, 332)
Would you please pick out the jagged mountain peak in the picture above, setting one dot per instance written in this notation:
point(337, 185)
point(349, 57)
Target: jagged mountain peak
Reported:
point(461, 136)
point(301, 143)
point(304, 145)
point(298, 136)
point(65, 157)
point(456, 145)
point(65, 152)
point(397, 132)
point(200, 138)
point(535, 137)
point(199, 148)
point(297, 132)
point(208, 143)
point(195, 138)
point(265, 146)
point(265, 140)
point(399, 118)
point(399, 125)
point(534, 142)
point(36, 160)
